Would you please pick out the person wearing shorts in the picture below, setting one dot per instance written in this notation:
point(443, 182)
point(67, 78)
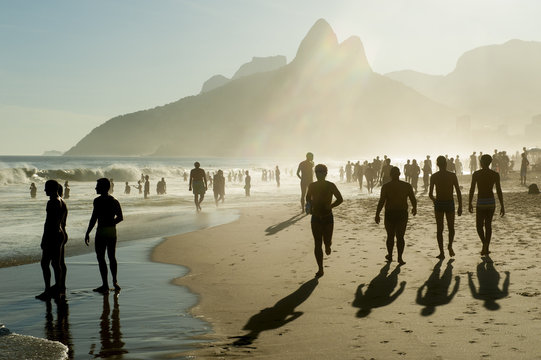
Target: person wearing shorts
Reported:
point(305, 173)
point(485, 179)
point(198, 184)
point(319, 203)
point(107, 213)
point(394, 196)
point(444, 204)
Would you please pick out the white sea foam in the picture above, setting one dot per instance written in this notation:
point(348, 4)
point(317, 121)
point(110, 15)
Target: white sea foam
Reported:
point(16, 347)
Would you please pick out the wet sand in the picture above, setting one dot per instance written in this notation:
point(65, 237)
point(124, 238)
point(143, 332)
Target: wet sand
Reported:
point(255, 278)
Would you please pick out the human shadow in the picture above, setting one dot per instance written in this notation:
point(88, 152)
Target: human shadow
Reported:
point(111, 342)
point(489, 280)
point(282, 313)
point(59, 330)
point(437, 288)
point(379, 292)
point(273, 229)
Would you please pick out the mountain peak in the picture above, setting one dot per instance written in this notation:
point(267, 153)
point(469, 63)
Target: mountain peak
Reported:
point(320, 38)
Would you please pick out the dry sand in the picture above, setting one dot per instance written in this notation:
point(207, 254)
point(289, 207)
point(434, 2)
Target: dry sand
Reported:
point(255, 278)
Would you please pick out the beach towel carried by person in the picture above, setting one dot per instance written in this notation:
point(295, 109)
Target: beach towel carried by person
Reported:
point(533, 189)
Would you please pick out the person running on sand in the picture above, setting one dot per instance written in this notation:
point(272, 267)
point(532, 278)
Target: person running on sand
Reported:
point(485, 179)
point(52, 240)
point(394, 195)
point(319, 204)
point(198, 182)
point(444, 204)
point(107, 213)
point(305, 173)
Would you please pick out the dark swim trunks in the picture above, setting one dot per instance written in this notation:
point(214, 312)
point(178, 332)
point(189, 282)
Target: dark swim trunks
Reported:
point(444, 205)
point(396, 216)
point(325, 219)
point(488, 203)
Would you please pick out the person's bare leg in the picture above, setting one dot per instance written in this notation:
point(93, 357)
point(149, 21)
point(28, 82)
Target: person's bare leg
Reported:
point(488, 229)
point(318, 252)
point(400, 243)
point(327, 237)
point(390, 228)
point(111, 252)
point(450, 216)
point(201, 197)
point(439, 232)
point(304, 188)
point(196, 201)
point(479, 224)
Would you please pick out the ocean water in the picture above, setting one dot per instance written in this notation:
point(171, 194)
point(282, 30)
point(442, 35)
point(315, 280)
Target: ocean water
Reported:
point(152, 325)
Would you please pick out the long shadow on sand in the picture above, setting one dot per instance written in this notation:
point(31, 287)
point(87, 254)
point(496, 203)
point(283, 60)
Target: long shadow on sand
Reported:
point(280, 314)
point(273, 229)
point(437, 289)
point(489, 280)
point(379, 292)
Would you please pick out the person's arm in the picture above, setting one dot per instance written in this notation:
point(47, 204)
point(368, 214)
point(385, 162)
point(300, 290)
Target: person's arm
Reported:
point(205, 181)
point(337, 195)
point(500, 194)
point(413, 200)
point(91, 224)
point(431, 191)
point(458, 195)
point(472, 191)
point(299, 172)
point(118, 213)
point(381, 202)
point(190, 182)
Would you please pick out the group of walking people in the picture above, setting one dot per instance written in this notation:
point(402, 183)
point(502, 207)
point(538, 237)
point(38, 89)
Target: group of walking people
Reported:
point(317, 200)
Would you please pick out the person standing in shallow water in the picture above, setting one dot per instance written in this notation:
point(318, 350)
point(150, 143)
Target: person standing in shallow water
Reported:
point(319, 204)
point(306, 174)
point(198, 182)
point(52, 241)
point(247, 183)
point(107, 213)
point(444, 204)
point(33, 190)
point(485, 179)
point(394, 196)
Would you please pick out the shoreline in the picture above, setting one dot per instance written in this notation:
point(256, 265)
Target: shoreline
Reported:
point(254, 279)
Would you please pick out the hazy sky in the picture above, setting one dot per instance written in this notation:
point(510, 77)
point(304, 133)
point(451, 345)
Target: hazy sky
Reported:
point(68, 66)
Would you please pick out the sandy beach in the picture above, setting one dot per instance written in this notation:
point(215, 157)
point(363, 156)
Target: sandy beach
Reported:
point(256, 286)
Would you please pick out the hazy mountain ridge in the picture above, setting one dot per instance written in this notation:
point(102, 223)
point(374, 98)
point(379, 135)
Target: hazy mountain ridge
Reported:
point(256, 65)
point(494, 84)
point(327, 100)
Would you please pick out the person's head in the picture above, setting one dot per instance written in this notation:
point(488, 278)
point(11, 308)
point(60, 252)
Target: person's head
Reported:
point(414, 162)
point(395, 173)
point(51, 187)
point(441, 161)
point(102, 186)
point(474, 152)
point(309, 156)
point(196, 164)
point(387, 161)
point(126, 183)
point(408, 161)
point(486, 160)
point(321, 171)
point(66, 183)
point(33, 185)
point(146, 177)
point(163, 179)
point(428, 157)
point(220, 172)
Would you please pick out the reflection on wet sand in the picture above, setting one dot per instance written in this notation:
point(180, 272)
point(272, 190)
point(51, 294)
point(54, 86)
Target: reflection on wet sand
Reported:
point(112, 346)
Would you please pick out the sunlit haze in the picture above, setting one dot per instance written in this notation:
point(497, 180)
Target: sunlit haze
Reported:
point(67, 67)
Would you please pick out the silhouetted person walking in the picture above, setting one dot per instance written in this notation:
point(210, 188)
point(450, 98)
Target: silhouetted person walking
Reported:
point(523, 168)
point(485, 179)
point(247, 183)
point(444, 203)
point(198, 182)
point(218, 187)
point(305, 173)
point(107, 213)
point(394, 195)
point(427, 171)
point(52, 240)
point(277, 175)
point(319, 203)
point(415, 170)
